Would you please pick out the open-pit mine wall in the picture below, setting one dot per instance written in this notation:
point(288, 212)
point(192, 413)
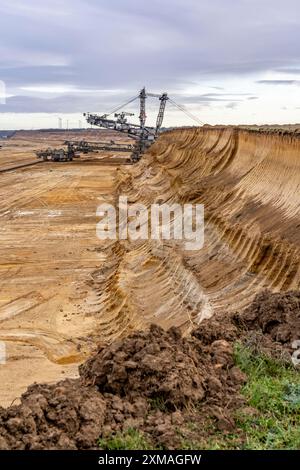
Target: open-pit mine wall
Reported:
point(249, 183)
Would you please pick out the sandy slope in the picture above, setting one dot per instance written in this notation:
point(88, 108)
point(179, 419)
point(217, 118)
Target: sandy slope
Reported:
point(249, 183)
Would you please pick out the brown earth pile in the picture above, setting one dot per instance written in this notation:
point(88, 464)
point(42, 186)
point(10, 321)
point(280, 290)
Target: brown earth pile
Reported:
point(153, 381)
point(269, 325)
point(276, 315)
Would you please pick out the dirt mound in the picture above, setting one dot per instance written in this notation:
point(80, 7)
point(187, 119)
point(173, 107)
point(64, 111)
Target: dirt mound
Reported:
point(160, 364)
point(154, 381)
point(276, 315)
point(123, 386)
point(61, 416)
point(150, 364)
point(270, 324)
point(221, 327)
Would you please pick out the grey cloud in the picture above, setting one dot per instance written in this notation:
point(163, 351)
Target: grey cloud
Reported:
point(223, 95)
point(163, 45)
point(289, 70)
point(232, 105)
point(97, 102)
point(278, 82)
point(59, 104)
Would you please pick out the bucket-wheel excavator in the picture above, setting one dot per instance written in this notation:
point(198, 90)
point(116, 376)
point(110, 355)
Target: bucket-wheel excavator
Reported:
point(143, 135)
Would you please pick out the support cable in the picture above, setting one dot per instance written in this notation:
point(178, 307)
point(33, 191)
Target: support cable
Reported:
point(188, 113)
point(122, 105)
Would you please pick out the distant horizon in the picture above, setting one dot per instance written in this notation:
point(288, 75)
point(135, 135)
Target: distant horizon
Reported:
point(63, 129)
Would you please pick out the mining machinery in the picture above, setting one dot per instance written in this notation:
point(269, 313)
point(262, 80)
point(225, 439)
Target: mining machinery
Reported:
point(73, 149)
point(143, 135)
point(56, 155)
point(84, 146)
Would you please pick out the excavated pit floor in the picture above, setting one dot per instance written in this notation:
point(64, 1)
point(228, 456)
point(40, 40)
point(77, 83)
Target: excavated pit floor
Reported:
point(48, 251)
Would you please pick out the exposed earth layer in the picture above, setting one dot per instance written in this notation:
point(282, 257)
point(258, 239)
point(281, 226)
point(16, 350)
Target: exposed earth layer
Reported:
point(63, 292)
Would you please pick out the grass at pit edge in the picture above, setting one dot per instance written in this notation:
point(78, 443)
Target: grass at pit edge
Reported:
point(272, 392)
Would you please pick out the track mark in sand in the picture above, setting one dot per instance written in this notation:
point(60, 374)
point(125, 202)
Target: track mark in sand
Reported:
point(148, 283)
point(17, 306)
point(58, 348)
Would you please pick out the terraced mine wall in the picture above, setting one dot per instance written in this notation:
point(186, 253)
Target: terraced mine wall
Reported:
point(249, 183)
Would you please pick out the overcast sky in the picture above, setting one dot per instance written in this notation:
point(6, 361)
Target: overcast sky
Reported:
point(227, 61)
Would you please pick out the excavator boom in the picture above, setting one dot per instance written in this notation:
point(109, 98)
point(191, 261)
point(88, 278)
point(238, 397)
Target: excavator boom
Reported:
point(144, 135)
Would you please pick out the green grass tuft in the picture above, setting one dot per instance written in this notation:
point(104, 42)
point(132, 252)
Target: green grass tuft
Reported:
point(158, 403)
point(272, 420)
point(131, 439)
point(273, 389)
